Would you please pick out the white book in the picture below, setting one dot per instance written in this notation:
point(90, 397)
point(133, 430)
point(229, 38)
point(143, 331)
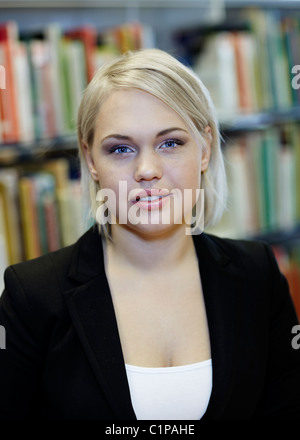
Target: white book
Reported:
point(216, 67)
point(23, 92)
point(286, 189)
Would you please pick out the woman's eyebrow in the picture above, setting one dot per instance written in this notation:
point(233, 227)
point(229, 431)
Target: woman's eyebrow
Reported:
point(128, 138)
point(169, 130)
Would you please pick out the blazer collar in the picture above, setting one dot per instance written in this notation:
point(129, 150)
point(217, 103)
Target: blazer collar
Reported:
point(92, 313)
point(222, 285)
point(91, 309)
point(87, 258)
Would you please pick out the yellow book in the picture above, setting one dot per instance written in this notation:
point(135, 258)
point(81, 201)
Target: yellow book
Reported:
point(29, 218)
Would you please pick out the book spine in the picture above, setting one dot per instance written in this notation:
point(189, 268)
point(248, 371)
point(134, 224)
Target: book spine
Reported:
point(8, 96)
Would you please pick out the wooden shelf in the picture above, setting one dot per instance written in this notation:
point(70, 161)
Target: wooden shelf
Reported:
point(260, 121)
point(278, 4)
point(11, 154)
point(15, 154)
point(279, 236)
point(182, 4)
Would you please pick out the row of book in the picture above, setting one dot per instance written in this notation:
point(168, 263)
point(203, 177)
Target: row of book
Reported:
point(41, 210)
point(252, 69)
point(45, 74)
point(246, 71)
point(263, 170)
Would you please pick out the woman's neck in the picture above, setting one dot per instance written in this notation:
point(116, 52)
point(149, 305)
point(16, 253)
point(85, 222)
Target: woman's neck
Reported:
point(148, 253)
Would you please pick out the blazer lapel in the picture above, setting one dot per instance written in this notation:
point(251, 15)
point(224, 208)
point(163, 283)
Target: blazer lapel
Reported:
point(222, 289)
point(92, 313)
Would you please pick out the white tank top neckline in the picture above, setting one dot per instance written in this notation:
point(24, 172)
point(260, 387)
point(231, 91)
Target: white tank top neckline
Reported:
point(170, 393)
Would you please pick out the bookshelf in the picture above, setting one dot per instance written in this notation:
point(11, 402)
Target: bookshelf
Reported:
point(260, 122)
point(265, 122)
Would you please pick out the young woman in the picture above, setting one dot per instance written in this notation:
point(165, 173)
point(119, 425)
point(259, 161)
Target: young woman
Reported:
point(147, 316)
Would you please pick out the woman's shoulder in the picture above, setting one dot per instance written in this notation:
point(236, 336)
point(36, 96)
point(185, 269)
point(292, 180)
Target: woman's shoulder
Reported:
point(46, 277)
point(255, 264)
point(250, 248)
point(254, 257)
point(36, 290)
point(56, 266)
point(41, 270)
point(35, 287)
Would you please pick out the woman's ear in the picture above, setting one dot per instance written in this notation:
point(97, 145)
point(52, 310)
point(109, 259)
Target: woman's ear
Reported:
point(90, 161)
point(206, 151)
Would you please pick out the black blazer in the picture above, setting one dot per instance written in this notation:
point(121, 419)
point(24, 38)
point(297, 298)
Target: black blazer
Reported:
point(63, 357)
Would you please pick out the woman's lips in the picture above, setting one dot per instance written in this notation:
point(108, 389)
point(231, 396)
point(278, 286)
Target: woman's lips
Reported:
point(151, 199)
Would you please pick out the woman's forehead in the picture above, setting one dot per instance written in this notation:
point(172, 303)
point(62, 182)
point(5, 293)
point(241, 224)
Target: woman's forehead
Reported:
point(128, 109)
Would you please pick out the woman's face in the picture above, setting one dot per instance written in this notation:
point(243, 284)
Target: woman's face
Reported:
point(145, 155)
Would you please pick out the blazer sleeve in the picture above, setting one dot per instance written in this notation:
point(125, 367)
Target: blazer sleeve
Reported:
point(21, 360)
point(281, 396)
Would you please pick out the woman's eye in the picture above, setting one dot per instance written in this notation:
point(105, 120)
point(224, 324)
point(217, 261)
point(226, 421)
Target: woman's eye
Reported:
point(121, 149)
point(171, 143)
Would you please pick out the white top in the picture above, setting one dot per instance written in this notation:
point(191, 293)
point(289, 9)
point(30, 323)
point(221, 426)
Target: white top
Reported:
point(170, 393)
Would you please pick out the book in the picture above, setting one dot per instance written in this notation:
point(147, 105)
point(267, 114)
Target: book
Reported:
point(216, 67)
point(270, 160)
point(2, 87)
point(279, 67)
point(47, 212)
point(29, 218)
point(3, 247)
point(9, 178)
point(68, 196)
point(8, 96)
point(47, 71)
point(39, 213)
point(24, 97)
point(246, 70)
point(88, 36)
point(287, 189)
point(75, 78)
point(44, 109)
point(239, 189)
point(72, 212)
point(42, 209)
point(291, 36)
point(53, 35)
point(255, 58)
point(263, 174)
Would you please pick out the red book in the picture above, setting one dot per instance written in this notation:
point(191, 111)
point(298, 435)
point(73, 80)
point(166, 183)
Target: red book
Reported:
point(8, 96)
point(88, 35)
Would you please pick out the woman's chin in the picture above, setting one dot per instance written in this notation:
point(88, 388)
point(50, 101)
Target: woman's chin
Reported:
point(152, 230)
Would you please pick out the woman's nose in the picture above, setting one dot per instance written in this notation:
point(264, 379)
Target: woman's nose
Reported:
point(148, 166)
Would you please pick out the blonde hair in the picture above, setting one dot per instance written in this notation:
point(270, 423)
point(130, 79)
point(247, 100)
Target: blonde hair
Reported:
point(160, 74)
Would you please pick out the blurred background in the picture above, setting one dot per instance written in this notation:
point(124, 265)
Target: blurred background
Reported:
point(247, 53)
